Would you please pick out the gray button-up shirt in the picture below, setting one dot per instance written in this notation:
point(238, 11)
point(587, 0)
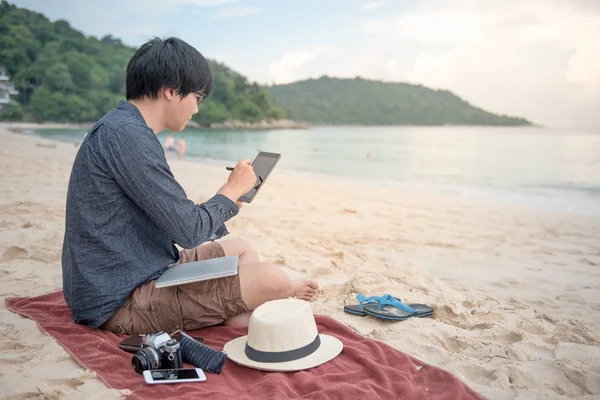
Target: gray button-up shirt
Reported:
point(125, 211)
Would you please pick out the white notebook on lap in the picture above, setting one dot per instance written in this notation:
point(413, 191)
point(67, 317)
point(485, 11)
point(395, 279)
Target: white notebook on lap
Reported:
point(197, 271)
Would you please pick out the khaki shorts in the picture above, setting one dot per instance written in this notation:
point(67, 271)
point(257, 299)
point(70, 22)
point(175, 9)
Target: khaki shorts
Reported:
point(186, 307)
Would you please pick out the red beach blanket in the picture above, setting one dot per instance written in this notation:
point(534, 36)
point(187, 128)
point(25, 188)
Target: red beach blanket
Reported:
point(365, 369)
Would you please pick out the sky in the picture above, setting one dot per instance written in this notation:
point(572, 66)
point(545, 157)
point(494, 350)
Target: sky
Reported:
point(539, 59)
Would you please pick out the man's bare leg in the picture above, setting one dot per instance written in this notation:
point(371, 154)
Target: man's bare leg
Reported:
point(262, 282)
point(241, 248)
point(301, 288)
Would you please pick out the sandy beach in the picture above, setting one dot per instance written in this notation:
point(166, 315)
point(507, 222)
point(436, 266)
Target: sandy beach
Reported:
point(516, 290)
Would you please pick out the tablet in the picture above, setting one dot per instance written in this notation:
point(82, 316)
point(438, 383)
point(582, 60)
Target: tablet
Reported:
point(263, 165)
point(196, 271)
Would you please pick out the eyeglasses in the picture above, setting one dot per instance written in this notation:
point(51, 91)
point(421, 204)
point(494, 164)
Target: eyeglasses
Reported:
point(202, 96)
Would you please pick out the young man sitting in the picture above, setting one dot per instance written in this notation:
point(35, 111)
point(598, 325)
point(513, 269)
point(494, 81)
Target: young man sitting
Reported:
point(125, 212)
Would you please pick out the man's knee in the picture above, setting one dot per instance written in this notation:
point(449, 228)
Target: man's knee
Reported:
point(238, 244)
point(242, 248)
point(250, 254)
point(243, 243)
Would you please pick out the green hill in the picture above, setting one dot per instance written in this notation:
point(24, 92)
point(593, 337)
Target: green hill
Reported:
point(366, 102)
point(64, 76)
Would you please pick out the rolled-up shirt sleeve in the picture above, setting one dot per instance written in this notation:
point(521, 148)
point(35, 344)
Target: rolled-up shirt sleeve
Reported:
point(137, 161)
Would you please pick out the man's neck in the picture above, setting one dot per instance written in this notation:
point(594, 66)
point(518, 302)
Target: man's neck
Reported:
point(152, 112)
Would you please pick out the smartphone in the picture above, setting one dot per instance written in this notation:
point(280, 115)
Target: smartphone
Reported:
point(263, 165)
point(158, 376)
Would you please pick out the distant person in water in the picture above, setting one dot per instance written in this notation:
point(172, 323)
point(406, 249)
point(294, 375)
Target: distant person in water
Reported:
point(170, 143)
point(181, 147)
point(125, 213)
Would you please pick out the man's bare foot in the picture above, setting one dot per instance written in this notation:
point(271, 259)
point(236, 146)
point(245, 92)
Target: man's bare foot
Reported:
point(304, 289)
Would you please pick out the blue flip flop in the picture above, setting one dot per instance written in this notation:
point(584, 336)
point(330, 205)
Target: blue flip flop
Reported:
point(357, 309)
point(392, 309)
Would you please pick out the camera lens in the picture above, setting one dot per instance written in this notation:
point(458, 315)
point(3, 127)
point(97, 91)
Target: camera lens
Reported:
point(144, 359)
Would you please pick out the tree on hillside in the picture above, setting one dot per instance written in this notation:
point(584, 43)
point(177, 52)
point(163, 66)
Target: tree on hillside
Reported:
point(62, 75)
point(367, 102)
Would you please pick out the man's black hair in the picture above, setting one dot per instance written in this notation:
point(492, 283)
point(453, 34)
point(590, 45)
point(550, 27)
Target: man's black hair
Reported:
point(170, 63)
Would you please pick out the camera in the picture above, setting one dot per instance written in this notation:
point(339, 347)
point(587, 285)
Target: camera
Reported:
point(159, 351)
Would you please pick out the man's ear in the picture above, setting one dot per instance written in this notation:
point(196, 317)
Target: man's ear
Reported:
point(169, 93)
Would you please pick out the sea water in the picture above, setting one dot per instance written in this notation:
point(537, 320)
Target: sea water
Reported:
point(557, 169)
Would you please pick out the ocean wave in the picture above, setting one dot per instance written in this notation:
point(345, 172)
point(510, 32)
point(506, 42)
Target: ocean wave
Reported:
point(565, 186)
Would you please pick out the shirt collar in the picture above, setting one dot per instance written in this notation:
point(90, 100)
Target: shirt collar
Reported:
point(133, 110)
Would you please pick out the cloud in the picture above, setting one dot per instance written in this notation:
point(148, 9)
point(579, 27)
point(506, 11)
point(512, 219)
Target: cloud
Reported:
point(584, 68)
point(371, 5)
point(436, 26)
point(236, 12)
point(205, 3)
point(540, 59)
point(286, 69)
point(146, 31)
point(161, 7)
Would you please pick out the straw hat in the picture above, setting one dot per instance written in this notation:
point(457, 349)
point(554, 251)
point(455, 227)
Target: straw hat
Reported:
point(283, 336)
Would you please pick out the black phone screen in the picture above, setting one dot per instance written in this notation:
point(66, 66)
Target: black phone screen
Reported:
point(263, 164)
point(174, 374)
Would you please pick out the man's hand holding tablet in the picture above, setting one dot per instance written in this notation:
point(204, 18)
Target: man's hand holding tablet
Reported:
point(241, 180)
point(262, 165)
